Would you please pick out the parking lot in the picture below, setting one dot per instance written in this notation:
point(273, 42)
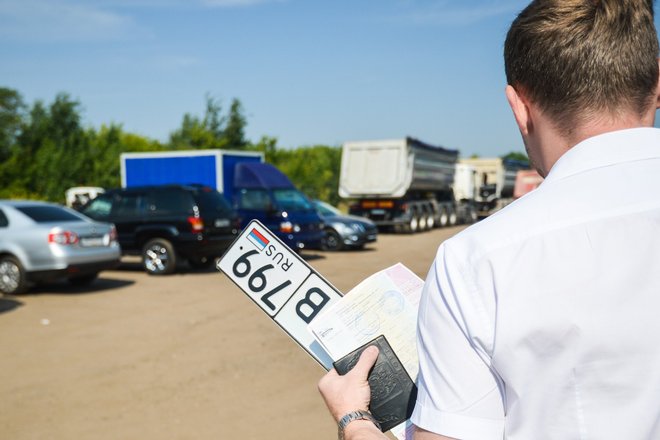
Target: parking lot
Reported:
point(186, 356)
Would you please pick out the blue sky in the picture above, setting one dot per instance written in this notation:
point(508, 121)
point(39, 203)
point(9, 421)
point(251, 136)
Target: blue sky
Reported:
point(307, 72)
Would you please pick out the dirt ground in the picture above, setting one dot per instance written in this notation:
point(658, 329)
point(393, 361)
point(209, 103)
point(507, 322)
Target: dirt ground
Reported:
point(186, 356)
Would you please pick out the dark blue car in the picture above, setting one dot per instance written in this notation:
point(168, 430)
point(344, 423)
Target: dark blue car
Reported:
point(264, 193)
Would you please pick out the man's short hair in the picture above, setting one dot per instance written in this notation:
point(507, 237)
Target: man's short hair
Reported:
point(578, 59)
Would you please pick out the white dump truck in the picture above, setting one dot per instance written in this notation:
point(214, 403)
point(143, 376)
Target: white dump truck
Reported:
point(405, 184)
point(495, 179)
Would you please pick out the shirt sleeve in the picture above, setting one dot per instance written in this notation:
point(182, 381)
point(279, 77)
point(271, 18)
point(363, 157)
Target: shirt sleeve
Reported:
point(458, 394)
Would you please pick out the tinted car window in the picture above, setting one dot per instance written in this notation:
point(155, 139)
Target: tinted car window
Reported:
point(99, 207)
point(256, 199)
point(291, 200)
point(127, 205)
point(3, 219)
point(170, 202)
point(212, 202)
point(45, 214)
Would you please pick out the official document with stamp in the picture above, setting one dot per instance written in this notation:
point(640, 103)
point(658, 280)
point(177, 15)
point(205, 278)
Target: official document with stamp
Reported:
point(386, 304)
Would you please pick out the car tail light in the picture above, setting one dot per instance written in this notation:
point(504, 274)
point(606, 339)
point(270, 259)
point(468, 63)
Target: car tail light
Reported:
point(113, 234)
point(63, 237)
point(196, 224)
point(286, 227)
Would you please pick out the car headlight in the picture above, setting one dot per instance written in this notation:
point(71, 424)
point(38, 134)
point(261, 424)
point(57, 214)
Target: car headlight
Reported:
point(341, 228)
point(357, 227)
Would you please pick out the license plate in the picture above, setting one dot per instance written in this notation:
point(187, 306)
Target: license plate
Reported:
point(221, 223)
point(281, 283)
point(378, 211)
point(91, 241)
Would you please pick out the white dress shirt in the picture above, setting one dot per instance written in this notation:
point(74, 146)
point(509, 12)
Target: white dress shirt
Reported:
point(543, 321)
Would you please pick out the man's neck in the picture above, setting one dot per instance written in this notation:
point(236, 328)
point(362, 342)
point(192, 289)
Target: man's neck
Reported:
point(555, 145)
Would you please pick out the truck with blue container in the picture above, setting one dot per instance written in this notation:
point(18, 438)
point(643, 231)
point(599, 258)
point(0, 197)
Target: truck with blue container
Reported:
point(263, 192)
point(255, 189)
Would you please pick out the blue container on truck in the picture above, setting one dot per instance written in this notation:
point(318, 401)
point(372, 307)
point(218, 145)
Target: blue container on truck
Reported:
point(242, 178)
point(213, 168)
point(263, 192)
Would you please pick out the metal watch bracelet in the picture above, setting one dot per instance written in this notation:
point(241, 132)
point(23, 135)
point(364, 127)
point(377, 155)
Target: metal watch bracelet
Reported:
point(352, 416)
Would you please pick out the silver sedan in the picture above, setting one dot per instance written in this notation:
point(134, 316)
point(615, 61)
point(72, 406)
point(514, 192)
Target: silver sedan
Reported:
point(42, 242)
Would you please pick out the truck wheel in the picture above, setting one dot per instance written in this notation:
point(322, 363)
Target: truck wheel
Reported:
point(444, 218)
point(453, 218)
point(12, 276)
point(430, 221)
point(158, 257)
point(422, 223)
point(413, 224)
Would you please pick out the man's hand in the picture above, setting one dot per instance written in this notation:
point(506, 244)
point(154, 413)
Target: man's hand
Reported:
point(350, 392)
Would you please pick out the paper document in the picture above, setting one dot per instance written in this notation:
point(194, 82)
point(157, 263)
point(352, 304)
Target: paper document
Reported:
point(384, 304)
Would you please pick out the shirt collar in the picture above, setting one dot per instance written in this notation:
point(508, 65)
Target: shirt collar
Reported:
point(607, 149)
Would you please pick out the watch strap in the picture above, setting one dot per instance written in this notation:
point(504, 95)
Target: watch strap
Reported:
point(352, 416)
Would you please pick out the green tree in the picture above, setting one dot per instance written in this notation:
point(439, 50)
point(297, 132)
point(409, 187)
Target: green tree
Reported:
point(235, 129)
point(213, 130)
point(12, 115)
point(515, 155)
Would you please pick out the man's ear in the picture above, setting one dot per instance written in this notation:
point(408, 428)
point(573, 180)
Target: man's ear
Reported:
point(520, 110)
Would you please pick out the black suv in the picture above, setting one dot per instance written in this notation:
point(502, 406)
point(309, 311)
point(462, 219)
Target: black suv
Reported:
point(163, 223)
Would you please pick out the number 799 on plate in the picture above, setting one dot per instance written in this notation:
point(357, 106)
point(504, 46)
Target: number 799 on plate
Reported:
point(281, 283)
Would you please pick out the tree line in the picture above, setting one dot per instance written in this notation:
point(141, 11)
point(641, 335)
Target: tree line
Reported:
point(46, 148)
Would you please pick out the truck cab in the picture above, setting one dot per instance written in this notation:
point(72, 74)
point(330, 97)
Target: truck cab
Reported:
point(264, 193)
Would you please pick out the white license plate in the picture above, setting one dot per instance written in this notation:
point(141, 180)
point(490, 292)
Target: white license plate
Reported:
point(378, 211)
point(221, 223)
point(91, 241)
point(281, 283)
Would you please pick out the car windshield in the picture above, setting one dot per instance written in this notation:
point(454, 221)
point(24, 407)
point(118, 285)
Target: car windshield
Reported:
point(291, 200)
point(212, 202)
point(98, 207)
point(47, 214)
point(325, 209)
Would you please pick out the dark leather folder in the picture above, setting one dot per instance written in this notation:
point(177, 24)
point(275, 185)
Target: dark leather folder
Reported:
point(393, 393)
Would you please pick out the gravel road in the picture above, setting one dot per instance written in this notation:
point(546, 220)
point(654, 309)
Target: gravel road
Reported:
point(186, 356)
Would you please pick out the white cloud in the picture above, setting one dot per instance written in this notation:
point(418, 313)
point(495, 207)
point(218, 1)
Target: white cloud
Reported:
point(54, 20)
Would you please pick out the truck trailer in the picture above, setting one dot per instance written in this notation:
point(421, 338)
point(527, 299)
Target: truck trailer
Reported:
point(495, 180)
point(403, 184)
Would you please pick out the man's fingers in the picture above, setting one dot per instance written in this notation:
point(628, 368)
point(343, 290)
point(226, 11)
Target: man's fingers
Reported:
point(367, 360)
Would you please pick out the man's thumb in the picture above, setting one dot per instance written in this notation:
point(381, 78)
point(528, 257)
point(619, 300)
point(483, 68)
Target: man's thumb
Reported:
point(366, 361)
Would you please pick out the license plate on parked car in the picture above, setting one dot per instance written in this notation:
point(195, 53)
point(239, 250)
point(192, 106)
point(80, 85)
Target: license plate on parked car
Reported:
point(91, 241)
point(221, 223)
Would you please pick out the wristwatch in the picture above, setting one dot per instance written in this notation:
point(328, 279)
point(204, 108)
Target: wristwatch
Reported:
point(355, 415)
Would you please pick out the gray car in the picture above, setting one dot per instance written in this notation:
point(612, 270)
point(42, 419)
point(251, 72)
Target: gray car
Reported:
point(344, 231)
point(42, 242)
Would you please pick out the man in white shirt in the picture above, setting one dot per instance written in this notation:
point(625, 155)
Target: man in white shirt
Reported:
point(541, 321)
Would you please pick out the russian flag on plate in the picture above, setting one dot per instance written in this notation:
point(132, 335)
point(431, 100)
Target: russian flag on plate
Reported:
point(258, 239)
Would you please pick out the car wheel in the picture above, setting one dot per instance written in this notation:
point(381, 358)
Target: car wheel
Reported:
point(83, 280)
point(201, 262)
point(12, 276)
point(158, 257)
point(332, 241)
